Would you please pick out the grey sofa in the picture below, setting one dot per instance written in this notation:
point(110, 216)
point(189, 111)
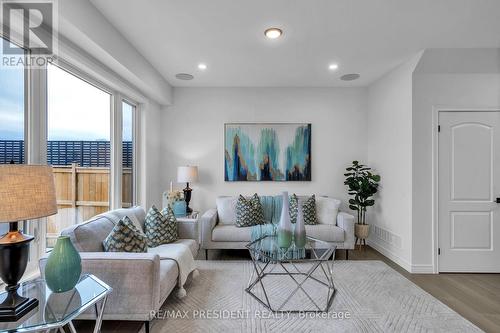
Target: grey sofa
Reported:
point(218, 230)
point(141, 281)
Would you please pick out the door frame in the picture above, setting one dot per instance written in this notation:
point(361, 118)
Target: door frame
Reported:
point(435, 171)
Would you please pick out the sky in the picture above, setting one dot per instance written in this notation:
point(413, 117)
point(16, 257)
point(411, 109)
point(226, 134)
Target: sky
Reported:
point(76, 109)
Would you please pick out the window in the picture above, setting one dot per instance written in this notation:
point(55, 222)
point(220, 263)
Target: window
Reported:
point(128, 113)
point(12, 90)
point(78, 148)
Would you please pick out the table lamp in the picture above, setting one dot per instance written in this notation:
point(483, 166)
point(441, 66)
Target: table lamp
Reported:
point(187, 174)
point(26, 192)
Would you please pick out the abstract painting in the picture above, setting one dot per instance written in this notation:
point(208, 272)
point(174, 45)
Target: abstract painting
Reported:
point(267, 152)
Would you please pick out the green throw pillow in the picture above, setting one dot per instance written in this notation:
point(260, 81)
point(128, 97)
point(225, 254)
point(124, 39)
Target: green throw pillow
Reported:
point(160, 228)
point(249, 212)
point(308, 209)
point(125, 237)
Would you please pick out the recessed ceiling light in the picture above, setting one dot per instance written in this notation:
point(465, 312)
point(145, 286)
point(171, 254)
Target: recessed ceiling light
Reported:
point(202, 66)
point(184, 76)
point(273, 33)
point(333, 67)
point(350, 77)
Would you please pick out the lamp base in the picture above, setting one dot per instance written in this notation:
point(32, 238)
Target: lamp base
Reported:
point(14, 254)
point(187, 197)
point(14, 306)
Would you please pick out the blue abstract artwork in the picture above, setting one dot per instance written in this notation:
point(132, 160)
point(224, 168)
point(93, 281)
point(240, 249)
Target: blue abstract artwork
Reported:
point(267, 152)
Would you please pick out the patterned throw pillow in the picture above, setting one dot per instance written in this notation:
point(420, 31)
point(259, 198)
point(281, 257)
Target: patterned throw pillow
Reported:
point(171, 228)
point(125, 237)
point(249, 212)
point(308, 209)
point(160, 228)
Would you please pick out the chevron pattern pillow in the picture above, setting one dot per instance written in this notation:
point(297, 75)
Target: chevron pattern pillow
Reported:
point(160, 227)
point(172, 228)
point(308, 209)
point(249, 212)
point(125, 237)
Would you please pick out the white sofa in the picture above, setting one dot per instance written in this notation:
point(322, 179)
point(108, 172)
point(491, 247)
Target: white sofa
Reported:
point(218, 229)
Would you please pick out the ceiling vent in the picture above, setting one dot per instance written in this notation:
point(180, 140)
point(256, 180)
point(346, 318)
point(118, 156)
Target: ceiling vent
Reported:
point(184, 76)
point(350, 77)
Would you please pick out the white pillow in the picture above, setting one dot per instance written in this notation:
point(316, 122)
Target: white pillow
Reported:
point(226, 209)
point(327, 210)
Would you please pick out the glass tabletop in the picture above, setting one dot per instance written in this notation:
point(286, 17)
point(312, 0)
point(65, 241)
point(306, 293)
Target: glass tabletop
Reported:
point(267, 248)
point(56, 309)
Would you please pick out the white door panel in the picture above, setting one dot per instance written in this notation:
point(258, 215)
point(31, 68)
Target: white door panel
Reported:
point(469, 183)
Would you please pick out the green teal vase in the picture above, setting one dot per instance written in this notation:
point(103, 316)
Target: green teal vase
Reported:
point(179, 208)
point(64, 266)
point(285, 225)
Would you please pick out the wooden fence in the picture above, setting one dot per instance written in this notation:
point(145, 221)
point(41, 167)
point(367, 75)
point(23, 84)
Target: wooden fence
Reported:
point(83, 192)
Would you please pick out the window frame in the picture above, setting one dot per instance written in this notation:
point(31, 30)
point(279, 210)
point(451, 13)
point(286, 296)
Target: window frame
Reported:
point(135, 131)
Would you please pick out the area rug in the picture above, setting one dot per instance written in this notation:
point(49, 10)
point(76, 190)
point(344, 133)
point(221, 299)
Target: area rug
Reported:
point(370, 297)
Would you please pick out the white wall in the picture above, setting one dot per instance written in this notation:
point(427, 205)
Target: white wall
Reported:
point(389, 153)
point(461, 79)
point(149, 167)
point(192, 133)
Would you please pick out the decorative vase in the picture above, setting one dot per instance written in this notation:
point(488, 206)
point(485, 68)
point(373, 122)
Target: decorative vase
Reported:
point(179, 208)
point(299, 233)
point(64, 266)
point(285, 225)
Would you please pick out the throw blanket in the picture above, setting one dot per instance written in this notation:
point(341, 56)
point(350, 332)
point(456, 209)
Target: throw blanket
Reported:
point(181, 254)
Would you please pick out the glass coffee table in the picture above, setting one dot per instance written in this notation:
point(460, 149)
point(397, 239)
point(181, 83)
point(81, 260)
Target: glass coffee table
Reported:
point(56, 310)
point(311, 275)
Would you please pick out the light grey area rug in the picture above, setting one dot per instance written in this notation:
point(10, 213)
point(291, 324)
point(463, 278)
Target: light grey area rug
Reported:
point(370, 297)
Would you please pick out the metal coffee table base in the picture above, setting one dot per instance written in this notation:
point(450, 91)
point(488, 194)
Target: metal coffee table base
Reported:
point(260, 273)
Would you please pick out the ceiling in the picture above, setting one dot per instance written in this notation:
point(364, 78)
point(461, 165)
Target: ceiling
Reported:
point(369, 37)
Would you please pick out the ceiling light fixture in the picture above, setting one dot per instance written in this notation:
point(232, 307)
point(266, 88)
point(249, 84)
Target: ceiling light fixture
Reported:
point(184, 76)
point(350, 77)
point(333, 67)
point(273, 33)
point(202, 66)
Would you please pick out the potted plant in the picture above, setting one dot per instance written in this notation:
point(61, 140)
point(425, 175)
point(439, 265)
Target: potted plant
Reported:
point(362, 185)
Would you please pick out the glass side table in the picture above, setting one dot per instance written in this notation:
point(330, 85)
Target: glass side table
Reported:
point(58, 309)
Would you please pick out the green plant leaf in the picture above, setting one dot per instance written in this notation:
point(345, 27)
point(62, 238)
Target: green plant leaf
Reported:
point(353, 207)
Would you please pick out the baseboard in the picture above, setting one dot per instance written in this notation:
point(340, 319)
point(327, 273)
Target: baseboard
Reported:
point(422, 269)
point(389, 254)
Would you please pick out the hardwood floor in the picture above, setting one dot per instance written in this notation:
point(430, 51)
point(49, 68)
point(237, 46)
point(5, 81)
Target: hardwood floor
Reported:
point(474, 296)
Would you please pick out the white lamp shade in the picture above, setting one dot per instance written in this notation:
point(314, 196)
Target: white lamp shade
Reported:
point(26, 192)
point(187, 174)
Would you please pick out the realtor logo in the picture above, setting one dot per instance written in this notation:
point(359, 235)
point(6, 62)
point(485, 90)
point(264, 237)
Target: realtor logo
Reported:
point(30, 25)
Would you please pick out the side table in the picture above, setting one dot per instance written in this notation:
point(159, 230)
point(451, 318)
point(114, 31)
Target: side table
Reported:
point(189, 226)
point(55, 310)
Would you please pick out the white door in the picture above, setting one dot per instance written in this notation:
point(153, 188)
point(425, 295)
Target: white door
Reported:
point(469, 184)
